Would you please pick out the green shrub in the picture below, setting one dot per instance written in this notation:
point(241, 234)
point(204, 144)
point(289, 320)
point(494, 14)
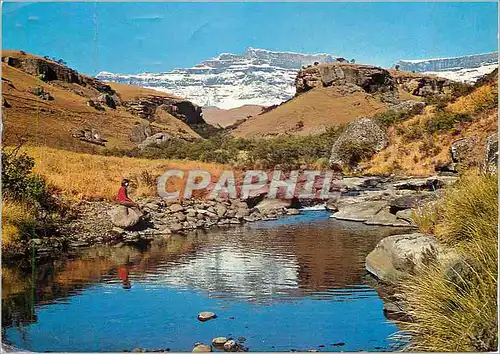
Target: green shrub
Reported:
point(286, 152)
point(353, 152)
point(388, 118)
point(444, 121)
point(18, 180)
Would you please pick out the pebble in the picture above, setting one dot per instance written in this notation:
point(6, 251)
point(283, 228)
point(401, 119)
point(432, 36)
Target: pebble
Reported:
point(219, 341)
point(230, 345)
point(202, 348)
point(206, 315)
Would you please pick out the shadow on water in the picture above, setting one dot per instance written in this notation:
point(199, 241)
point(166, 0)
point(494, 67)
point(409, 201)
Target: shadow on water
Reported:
point(294, 283)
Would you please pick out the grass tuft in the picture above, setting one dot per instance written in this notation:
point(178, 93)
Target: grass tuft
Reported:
point(453, 303)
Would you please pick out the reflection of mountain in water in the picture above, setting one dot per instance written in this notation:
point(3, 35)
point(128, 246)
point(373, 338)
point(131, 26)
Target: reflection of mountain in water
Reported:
point(259, 263)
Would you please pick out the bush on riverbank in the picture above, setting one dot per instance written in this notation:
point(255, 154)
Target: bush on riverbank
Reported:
point(454, 305)
point(23, 195)
point(285, 152)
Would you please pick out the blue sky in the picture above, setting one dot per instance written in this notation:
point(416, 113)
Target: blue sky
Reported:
point(156, 37)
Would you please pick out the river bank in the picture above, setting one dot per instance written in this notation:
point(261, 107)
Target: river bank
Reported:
point(371, 200)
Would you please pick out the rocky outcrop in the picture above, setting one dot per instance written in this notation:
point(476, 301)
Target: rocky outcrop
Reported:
point(48, 70)
point(422, 86)
point(109, 100)
point(90, 136)
point(461, 150)
point(361, 211)
point(155, 139)
point(491, 153)
point(268, 206)
point(146, 107)
point(410, 107)
point(361, 139)
point(398, 256)
point(370, 79)
point(124, 217)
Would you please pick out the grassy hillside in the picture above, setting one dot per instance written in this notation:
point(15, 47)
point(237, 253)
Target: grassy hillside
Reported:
point(420, 144)
point(53, 122)
point(311, 113)
point(225, 117)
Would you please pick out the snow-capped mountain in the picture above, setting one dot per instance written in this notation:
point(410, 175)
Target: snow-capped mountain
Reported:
point(465, 69)
point(257, 77)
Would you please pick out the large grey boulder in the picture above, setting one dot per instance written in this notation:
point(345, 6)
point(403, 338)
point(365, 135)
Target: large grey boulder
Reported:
point(398, 256)
point(410, 107)
point(267, 206)
point(385, 218)
point(491, 153)
point(124, 217)
point(155, 139)
point(361, 211)
point(361, 139)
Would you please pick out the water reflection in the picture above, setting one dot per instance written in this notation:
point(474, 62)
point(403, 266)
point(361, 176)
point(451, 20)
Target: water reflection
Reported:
point(291, 261)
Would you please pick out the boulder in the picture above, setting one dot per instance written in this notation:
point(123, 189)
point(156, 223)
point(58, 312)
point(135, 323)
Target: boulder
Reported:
point(175, 227)
point(385, 218)
point(206, 315)
point(411, 107)
point(292, 211)
point(230, 345)
point(202, 348)
point(221, 210)
point(107, 99)
point(124, 217)
point(461, 150)
point(410, 201)
point(361, 139)
point(141, 132)
point(174, 208)
point(429, 184)
point(219, 341)
point(361, 211)
point(155, 139)
point(398, 256)
point(491, 153)
point(268, 206)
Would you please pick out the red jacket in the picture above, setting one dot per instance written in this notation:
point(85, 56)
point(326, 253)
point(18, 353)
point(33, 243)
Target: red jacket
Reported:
point(122, 195)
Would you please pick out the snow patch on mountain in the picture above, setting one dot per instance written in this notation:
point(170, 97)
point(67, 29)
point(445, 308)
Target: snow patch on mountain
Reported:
point(467, 68)
point(468, 76)
point(256, 77)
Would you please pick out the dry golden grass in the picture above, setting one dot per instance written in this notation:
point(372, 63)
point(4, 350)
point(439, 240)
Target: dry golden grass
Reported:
point(454, 304)
point(311, 112)
point(86, 176)
point(484, 96)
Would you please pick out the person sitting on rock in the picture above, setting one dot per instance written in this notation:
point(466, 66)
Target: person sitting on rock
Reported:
point(123, 199)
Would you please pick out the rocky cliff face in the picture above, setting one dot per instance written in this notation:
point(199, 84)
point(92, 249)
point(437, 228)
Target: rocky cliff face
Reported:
point(48, 70)
point(422, 85)
point(146, 106)
point(368, 78)
point(258, 77)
